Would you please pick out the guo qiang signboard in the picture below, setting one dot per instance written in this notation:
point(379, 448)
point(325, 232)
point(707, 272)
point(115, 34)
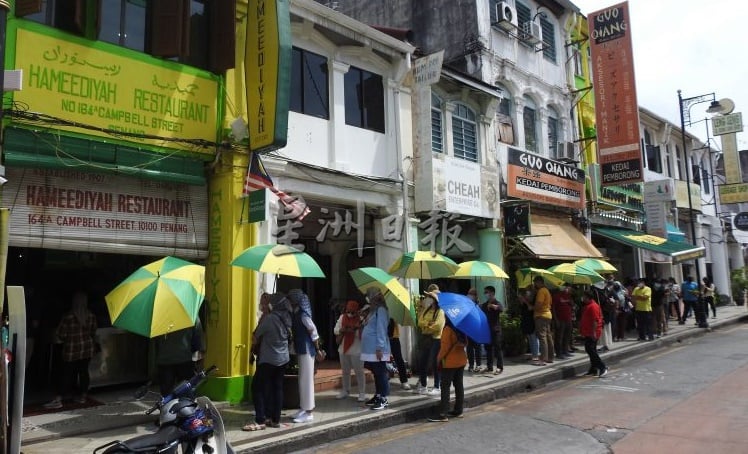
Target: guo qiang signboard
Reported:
point(616, 108)
point(534, 177)
point(116, 93)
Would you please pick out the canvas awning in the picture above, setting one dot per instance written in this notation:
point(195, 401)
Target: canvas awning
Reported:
point(676, 250)
point(557, 239)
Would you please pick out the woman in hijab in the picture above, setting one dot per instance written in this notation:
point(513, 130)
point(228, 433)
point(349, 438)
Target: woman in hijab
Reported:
point(76, 331)
point(375, 347)
point(348, 331)
point(306, 345)
point(270, 341)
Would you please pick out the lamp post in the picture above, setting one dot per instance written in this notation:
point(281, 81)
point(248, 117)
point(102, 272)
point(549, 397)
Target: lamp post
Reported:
point(684, 106)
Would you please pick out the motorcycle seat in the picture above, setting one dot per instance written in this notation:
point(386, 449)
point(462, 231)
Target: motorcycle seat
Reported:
point(148, 442)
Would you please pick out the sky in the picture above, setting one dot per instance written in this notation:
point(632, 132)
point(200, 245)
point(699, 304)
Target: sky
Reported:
point(698, 47)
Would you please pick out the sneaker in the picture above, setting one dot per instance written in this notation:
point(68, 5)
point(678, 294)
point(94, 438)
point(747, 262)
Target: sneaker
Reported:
point(498, 371)
point(603, 373)
point(342, 395)
point(304, 417)
point(439, 418)
point(405, 386)
point(382, 403)
point(361, 398)
point(591, 372)
point(420, 390)
point(434, 392)
point(453, 414)
point(54, 404)
point(488, 370)
point(373, 400)
point(81, 400)
point(297, 414)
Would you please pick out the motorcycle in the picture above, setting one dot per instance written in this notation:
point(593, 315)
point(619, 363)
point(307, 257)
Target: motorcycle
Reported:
point(187, 424)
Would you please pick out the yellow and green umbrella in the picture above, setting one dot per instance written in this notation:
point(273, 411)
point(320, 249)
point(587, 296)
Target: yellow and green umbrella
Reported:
point(598, 265)
point(278, 259)
point(396, 296)
point(575, 274)
point(477, 268)
point(423, 265)
point(526, 275)
point(158, 298)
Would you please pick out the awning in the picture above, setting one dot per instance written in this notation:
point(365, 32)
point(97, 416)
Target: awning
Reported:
point(677, 251)
point(556, 239)
point(674, 233)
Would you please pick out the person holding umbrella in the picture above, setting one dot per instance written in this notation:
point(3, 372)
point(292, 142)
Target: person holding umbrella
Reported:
point(452, 358)
point(431, 324)
point(375, 347)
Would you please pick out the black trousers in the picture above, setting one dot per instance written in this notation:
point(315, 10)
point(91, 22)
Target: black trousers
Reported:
point(397, 354)
point(473, 353)
point(75, 376)
point(267, 392)
point(590, 346)
point(644, 324)
point(169, 375)
point(452, 376)
point(493, 350)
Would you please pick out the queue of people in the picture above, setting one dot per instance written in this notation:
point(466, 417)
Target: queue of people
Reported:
point(368, 339)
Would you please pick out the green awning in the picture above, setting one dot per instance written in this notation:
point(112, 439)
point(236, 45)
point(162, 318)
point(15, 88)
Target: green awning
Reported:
point(676, 250)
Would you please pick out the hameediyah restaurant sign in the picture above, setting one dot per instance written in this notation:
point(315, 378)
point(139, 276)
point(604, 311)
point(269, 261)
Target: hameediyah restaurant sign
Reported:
point(533, 177)
point(267, 66)
point(115, 92)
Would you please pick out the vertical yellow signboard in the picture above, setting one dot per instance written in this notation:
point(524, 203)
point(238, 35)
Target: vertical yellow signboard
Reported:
point(267, 64)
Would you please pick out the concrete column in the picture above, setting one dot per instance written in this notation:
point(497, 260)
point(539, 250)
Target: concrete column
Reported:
point(491, 249)
point(519, 107)
point(231, 295)
point(338, 153)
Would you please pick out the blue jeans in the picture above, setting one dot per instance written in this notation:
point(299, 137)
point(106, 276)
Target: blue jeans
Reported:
point(381, 377)
point(532, 339)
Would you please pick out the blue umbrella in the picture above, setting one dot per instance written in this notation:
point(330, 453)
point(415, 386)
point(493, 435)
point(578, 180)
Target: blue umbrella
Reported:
point(466, 316)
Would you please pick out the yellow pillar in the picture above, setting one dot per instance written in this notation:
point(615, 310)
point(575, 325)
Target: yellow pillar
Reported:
point(230, 291)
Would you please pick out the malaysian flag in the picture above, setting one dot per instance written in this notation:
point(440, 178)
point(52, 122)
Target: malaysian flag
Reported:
point(257, 178)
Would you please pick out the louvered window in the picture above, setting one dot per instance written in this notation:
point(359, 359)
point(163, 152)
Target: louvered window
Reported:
point(437, 135)
point(464, 133)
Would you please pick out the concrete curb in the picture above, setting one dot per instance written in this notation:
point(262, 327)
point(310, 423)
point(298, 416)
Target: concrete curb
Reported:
point(475, 395)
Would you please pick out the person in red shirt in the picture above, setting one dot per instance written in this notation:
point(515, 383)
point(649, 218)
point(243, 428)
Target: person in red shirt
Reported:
point(563, 309)
point(591, 328)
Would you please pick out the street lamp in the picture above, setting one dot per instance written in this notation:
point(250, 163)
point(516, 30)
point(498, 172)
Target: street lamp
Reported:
point(684, 105)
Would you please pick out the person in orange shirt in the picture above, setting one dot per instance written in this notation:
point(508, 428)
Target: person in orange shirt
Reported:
point(452, 359)
point(543, 320)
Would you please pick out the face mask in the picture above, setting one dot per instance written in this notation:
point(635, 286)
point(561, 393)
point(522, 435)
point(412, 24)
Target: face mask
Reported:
point(641, 285)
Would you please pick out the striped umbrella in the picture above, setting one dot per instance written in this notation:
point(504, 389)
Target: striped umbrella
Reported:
point(395, 295)
point(423, 265)
point(575, 274)
point(477, 268)
point(526, 275)
point(278, 259)
point(599, 265)
point(158, 298)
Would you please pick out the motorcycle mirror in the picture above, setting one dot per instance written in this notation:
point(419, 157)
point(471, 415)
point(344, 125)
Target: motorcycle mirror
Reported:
point(142, 391)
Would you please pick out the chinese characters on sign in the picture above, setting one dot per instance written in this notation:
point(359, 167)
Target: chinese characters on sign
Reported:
point(616, 108)
point(440, 230)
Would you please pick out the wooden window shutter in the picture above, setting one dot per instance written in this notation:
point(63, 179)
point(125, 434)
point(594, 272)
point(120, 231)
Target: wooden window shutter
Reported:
point(222, 44)
point(26, 7)
point(168, 27)
point(70, 15)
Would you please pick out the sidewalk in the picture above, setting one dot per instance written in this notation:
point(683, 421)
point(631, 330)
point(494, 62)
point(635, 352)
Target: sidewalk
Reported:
point(121, 418)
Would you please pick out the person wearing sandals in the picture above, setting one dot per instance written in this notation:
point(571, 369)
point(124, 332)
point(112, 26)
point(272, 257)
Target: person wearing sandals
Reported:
point(270, 343)
point(452, 358)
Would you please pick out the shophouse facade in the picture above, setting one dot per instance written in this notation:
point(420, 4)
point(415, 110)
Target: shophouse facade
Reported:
point(106, 143)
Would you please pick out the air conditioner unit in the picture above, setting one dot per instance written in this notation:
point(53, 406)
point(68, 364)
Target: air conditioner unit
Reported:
point(566, 151)
point(532, 33)
point(506, 16)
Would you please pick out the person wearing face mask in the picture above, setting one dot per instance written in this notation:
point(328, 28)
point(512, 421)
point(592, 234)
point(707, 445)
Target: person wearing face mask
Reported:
point(348, 336)
point(493, 309)
point(430, 324)
point(473, 348)
point(642, 296)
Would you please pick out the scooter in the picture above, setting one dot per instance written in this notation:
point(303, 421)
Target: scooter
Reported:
point(186, 425)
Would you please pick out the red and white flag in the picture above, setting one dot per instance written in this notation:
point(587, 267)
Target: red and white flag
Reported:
point(257, 178)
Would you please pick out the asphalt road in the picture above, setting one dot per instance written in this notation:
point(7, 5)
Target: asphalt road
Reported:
point(691, 398)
